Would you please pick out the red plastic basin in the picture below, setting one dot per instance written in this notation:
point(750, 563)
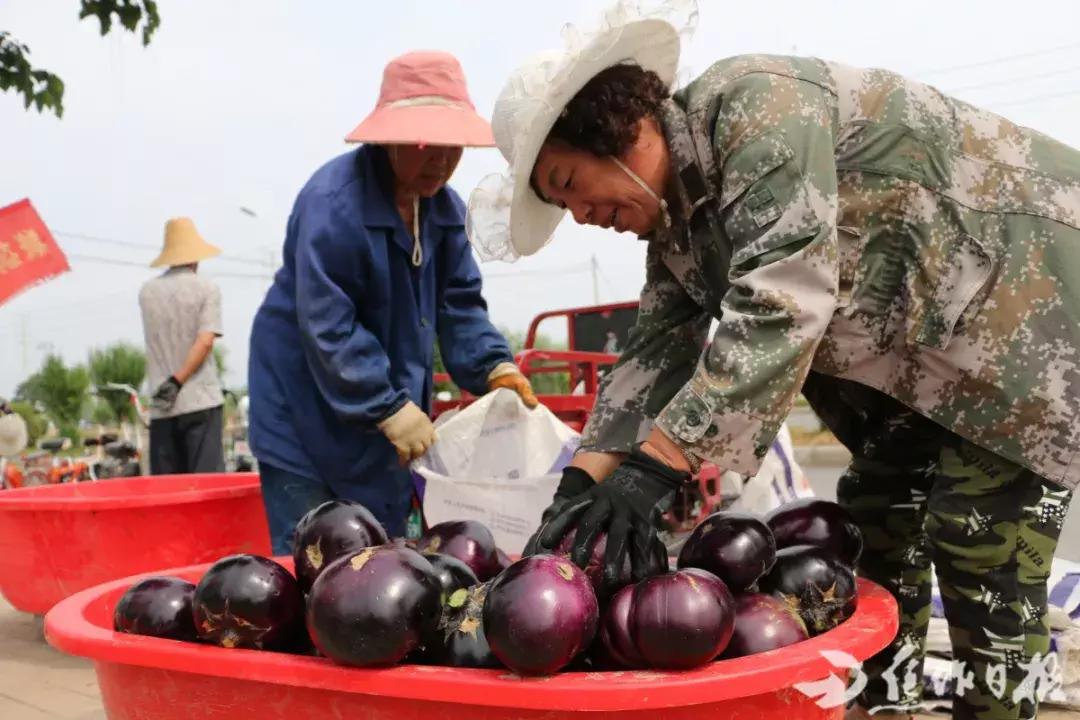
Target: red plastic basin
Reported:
point(143, 677)
point(59, 539)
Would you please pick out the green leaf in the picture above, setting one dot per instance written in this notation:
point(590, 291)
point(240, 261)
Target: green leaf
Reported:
point(39, 88)
point(129, 17)
point(130, 13)
point(458, 597)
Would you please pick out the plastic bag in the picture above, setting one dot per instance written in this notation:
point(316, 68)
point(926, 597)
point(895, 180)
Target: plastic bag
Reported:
point(497, 462)
point(780, 480)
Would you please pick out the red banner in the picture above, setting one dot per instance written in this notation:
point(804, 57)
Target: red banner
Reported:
point(28, 253)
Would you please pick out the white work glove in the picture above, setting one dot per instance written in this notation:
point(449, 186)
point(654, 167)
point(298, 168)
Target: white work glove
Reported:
point(410, 431)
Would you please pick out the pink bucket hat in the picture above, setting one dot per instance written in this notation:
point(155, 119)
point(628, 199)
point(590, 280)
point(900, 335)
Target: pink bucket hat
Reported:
point(424, 100)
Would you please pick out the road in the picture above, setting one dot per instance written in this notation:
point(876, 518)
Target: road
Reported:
point(823, 480)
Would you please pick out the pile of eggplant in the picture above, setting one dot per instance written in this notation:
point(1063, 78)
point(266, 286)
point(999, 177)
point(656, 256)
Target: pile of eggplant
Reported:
point(742, 585)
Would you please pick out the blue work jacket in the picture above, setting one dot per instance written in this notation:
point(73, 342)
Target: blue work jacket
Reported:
point(347, 333)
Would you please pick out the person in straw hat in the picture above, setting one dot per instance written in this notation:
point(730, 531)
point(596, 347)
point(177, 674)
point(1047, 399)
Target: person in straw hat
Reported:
point(377, 269)
point(181, 313)
point(909, 262)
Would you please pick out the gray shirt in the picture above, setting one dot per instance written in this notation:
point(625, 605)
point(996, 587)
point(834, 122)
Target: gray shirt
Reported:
point(176, 307)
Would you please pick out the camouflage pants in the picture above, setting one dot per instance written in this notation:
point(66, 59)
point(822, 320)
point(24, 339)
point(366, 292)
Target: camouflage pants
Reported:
point(922, 494)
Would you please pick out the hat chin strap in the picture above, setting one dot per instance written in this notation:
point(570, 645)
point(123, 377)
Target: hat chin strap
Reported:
point(644, 186)
point(418, 249)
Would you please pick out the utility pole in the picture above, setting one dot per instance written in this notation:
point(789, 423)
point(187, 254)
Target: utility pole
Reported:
point(594, 264)
point(271, 262)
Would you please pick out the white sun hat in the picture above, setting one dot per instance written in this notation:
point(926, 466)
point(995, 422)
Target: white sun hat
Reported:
point(13, 435)
point(506, 219)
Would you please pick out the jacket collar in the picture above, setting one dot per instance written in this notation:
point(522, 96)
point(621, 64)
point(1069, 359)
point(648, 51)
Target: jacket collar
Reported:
point(688, 188)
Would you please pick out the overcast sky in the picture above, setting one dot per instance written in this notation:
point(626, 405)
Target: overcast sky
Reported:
point(236, 103)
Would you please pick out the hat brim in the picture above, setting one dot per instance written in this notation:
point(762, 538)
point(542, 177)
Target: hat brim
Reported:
point(189, 254)
point(13, 435)
point(424, 125)
point(652, 44)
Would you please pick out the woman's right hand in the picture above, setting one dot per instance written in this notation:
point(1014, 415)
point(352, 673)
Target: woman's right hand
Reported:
point(410, 431)
point(577, 478)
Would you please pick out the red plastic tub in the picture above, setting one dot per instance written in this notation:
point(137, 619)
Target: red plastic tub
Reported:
point(144, 677)
point(59, 539)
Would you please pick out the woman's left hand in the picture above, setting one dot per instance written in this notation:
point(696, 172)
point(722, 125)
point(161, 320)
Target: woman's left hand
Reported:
point(507, 375)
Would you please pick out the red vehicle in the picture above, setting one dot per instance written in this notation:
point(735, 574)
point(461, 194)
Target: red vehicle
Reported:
point(595, 336)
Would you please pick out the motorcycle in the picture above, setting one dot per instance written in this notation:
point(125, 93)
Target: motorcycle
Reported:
point(116, 458)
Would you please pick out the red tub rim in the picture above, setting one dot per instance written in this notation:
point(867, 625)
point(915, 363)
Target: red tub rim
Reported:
point(870, 629)
point(81, 496)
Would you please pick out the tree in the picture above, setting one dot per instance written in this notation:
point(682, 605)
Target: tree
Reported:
point(43, 89)
point(543, 383)
point(221, 353)
point(101, 412)
point(61, 390)
point(36, 425)
point(121, 363)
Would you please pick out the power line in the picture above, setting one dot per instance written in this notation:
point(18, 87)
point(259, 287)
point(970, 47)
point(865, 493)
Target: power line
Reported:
point(607, 282)
point(1010, 81)
point(142, 266)
point(104, 240)
point(1036, 98)
point(146, 246)
point(82, 302)
point(579, 268)
point(997, 60)
point(108, 261)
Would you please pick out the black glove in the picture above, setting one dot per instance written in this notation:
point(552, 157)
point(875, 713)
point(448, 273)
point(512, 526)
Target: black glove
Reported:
point(165, 395)
point(628, 506)
point(574, 482)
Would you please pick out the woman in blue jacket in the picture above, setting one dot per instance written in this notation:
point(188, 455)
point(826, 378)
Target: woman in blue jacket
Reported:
point(377, 268)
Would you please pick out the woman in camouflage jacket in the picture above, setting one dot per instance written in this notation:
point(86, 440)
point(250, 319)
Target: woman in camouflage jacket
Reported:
point(911, 259)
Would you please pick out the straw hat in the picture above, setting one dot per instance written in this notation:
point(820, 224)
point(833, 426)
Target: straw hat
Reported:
point(183, 245)
point(13, 435)
point(424, 101)
point(506, 219)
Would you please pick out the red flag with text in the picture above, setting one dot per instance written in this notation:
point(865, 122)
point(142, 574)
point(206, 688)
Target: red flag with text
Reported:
point(28, 253)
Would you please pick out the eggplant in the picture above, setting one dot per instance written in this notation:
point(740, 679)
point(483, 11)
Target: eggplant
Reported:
point(736, 547)
point(459, 640)
point(594, 569)
point(681, 620)
point(374, 607)
point(615, 636)
point(333, 529)
point(453, 574)
point(467, 540)
point(763, 623)
point(540, 613)
point(247, 601)
point(157, 607)
point(811, 521)
point(814, 583)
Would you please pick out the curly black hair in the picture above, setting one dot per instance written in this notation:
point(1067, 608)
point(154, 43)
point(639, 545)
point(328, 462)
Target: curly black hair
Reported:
point(604, 116)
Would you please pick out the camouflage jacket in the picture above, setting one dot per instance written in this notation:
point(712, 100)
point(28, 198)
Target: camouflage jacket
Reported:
point(869, 227)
